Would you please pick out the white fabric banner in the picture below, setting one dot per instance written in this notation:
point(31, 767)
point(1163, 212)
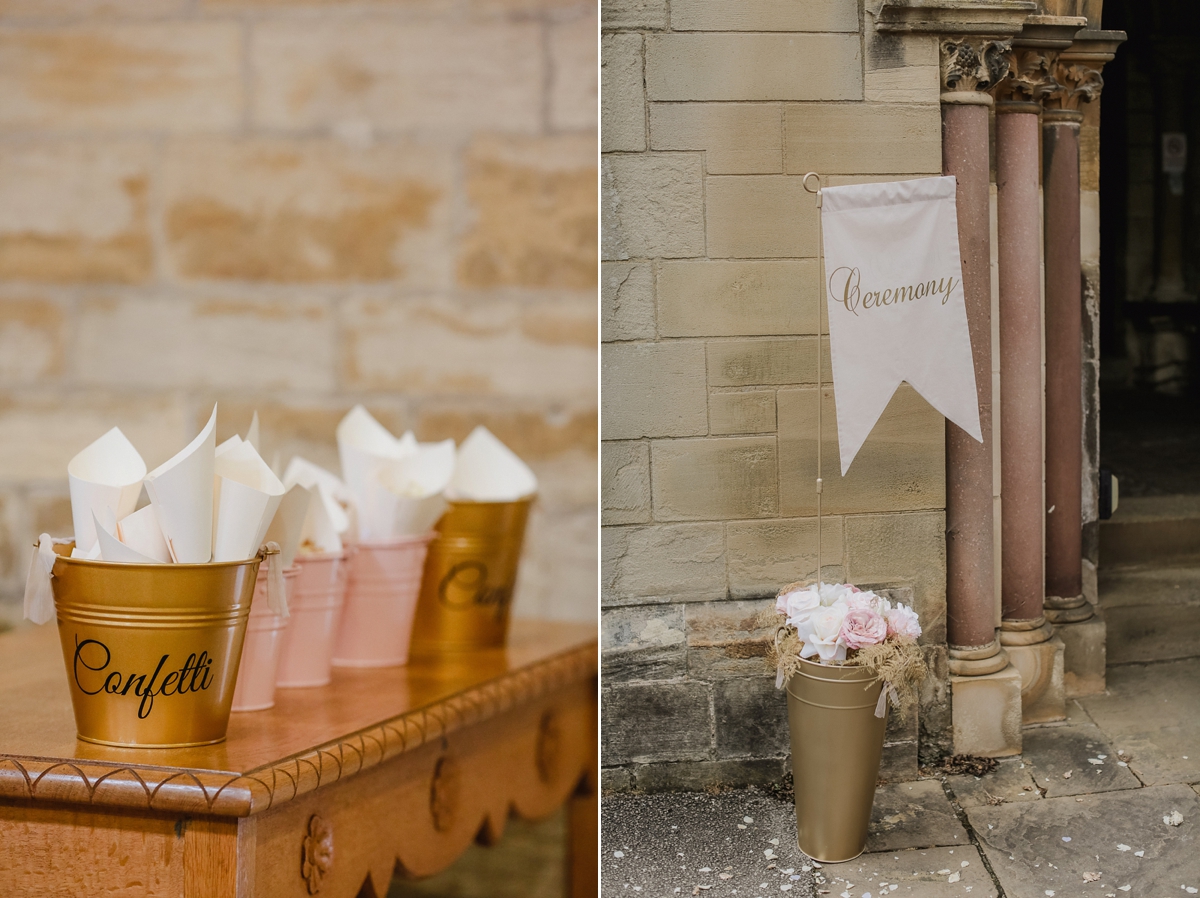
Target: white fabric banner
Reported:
point(893, 278)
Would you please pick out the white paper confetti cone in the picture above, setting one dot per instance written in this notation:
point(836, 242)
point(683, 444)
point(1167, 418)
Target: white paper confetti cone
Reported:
point(488, 471)
point(140, 531)
point(107, 474)
point(287, 527)
point(181, 491)
point(247, 495)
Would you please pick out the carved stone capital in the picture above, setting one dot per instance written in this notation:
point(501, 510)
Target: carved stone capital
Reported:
point(1030, 77)
point(1075, 83)
point(973, 65)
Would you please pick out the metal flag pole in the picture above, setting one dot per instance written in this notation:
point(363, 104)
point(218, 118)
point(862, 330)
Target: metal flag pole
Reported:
point(820, 386)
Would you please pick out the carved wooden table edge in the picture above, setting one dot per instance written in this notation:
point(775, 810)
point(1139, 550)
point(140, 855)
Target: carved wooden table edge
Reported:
point(201, 792)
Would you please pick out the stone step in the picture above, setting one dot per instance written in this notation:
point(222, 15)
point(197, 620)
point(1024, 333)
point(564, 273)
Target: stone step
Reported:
point(1151, 528)
point(1152, 610)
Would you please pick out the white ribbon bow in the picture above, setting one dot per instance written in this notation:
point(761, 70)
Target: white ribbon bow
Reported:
point(39, 594)
point(276, 589)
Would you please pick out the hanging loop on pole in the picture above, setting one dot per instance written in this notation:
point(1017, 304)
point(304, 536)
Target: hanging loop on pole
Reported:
point(814, 190)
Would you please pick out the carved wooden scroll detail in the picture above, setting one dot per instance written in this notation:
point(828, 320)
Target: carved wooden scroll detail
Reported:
point(316, 859)
point(445, 793)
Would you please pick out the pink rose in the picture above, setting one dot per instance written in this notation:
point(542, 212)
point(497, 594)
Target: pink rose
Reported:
point(861, 627)
point(902, 621)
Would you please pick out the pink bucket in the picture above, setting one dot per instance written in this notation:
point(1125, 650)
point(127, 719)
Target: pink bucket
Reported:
point(315, 602)
point(261, 652)
point(381, 602)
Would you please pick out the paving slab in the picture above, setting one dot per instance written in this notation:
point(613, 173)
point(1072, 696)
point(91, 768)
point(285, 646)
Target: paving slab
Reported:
point(914, 873)
point(1012, 780)
point(1027, 844)
point(1152, 712)
point(913, 815)
point(667, 844)
point(1075, 760)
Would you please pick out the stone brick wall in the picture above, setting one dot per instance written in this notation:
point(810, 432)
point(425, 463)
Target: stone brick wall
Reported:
point(712, 111)
point(293, 207)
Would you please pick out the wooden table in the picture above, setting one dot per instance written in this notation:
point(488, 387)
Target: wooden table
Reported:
point(330, 792)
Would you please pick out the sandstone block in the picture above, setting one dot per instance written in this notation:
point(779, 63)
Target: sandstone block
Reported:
point(764, 15)
point(653, 390)
point(664, 563)
point(33, 335)
point(557, 580)
point(395, 74)
point(987, 714)
point(898, 550)
point(640, 14)
point(652, 206)
point(626, 301)
point(625, 482)
point(715, 478)
point(725, 639)
point(737, 138)
point(752, 411)
point(534, 214)
point(175, 76)
point(765, 556)
point(643, 643)
point(901, 68)
point(658, 722)
point(622, 97)
point(59, 9)
point(727, 299)
point(737, 363)
point(232, 343)
point(754, 67)
point(760, 217)
point(751, 718)
point(574, 89)
point(75, 212)
point(291, 212)
point(848, 138)
point(42, 434)
point(1084, 655)
point(1043, 698)
point(901, 466)
point(544, 350)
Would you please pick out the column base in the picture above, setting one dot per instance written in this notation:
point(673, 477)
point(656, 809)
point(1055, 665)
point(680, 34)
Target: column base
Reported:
point(1068, 610)
point(1043, 695)
point(1086, 655)
point(986, 713)
point(977, 661)
point(1025, 632)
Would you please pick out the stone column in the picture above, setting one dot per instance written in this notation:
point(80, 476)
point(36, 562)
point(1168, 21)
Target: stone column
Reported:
point(1024, 630)
point(1083, 632)
point(1077, 77)
point(970, 67)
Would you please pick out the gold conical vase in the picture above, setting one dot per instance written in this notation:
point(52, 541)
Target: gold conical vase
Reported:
point(837, 743)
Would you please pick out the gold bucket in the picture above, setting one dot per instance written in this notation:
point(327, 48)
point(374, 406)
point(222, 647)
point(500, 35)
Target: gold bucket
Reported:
point(152, 650)
point(837, 742)
point(470, 571)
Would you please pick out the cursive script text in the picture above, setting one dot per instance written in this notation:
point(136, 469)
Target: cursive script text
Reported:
point(92, 658)
point(845, 287)
point(465, 584)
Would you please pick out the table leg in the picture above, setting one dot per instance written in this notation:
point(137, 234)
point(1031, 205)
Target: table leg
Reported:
point(218, 858)
point(583, 826)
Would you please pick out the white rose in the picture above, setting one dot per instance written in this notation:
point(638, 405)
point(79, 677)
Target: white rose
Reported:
point(821, 633)
point(800, 604)
point(832, 592)
point(903, 621)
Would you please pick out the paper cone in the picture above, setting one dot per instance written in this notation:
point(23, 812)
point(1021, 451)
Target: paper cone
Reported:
point(181, 491)
point(107, 474)
point(363, 444)
point(415, 485)
point(247, 495)
point(320, 534)
point(252, 433)
point(287, 527)
point(488, 471)
point(141, 533)
point(112, 549)
point(93, 555)
point(332, 490)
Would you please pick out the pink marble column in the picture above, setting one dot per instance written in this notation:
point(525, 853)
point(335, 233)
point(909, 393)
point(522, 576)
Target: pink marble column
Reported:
point(1018, 207)
point(969, 69)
